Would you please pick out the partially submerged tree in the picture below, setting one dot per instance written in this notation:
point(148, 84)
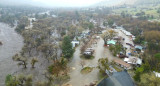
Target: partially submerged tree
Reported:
point(33, 61)
point(58, 67)
point(103, 65)
point(20, 80)
point(82, 63)
point(47, 50)
point(22, 61)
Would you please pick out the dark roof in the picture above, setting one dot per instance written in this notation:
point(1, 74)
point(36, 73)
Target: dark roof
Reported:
point(117, 79)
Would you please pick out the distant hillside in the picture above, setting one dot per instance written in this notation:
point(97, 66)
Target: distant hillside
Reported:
point(130, 2)
point(115, 2)
point(138, 2)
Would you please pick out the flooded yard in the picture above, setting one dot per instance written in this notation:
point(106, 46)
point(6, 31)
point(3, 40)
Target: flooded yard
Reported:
point(78, 79)
point(12, 44)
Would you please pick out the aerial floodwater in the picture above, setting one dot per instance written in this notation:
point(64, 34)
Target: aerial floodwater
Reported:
point(12, 44)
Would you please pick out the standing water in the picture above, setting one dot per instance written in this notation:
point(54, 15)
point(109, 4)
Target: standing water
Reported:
point(12, 44)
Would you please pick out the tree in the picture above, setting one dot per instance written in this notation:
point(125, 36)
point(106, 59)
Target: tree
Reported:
point(10, 81)
point(33, 61)
point(67, 50)
point(138, 72)
point(112, 33)
point(149, 79)
point(110, 22)
point(157, 56)
point(19, 80)
point(47, 50)
point(22, 60)
point(58, 67)
point(103, 65)
point(91, 26)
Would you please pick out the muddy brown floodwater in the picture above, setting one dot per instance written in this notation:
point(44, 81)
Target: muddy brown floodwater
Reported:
point(78, 79)
point(12, 44)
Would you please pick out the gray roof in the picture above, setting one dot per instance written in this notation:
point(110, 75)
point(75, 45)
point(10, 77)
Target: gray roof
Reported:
point(117, 79)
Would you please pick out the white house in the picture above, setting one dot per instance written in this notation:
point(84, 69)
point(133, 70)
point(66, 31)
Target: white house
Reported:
point(133, 60)
point(74, 43)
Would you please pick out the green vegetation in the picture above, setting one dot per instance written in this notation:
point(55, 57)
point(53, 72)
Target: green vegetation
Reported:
point(116, 49)
point(87, 57)
point(20, 80)
point(41, 48)
point(67, 48)
point(21, 60)
point(86, 70)
point(157, 56)
point(116, 68)
point(149, 79)
point(103, 64)
point(34, 61)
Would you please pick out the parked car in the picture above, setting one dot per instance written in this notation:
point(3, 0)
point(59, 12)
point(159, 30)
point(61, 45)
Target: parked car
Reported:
point(130, 44)
point(122, 56)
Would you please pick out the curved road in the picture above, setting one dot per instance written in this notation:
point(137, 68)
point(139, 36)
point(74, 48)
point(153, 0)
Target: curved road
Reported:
point(12, 44)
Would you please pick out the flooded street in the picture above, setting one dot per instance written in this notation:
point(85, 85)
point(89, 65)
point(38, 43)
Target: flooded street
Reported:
point(12, 44)
point(78, 79)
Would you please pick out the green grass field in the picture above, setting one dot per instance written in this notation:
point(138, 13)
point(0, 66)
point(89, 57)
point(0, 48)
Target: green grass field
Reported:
point(149, 10)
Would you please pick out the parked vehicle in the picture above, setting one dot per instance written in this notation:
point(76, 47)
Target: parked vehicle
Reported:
point(130, 44)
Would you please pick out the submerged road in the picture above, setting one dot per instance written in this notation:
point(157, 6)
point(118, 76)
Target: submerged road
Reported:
point(78, 79)
point(12, 44)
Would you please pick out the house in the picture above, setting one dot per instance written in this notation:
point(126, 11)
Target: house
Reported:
point(74, 43)
point(97, 37)
point(117, 79)
point(111, 42)
point(157, 74)
point(122, 64)
point(117, 38)
point(126, 32)
point(133, 60)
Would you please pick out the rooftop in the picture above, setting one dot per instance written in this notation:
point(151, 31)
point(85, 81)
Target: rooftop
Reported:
point(117, 79)
point(122, 63)
point(133, 60)
point(111, 42)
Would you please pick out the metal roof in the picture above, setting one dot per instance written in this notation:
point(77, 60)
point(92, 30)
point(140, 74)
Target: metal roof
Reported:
point(117, 79)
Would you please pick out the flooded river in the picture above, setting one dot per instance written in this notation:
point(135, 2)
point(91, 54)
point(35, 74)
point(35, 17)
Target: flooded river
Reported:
point(12, 44)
